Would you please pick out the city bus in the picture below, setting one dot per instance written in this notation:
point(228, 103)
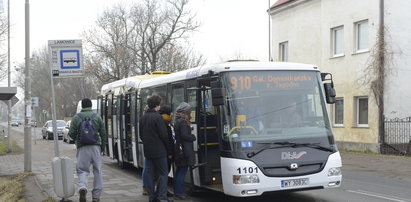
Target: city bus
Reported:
point(260, 126)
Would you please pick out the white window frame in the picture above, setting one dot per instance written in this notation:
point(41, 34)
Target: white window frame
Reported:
point(357, 101)
point(335, 113)
point(357, 36)
point(283, 51)
point(334, 41)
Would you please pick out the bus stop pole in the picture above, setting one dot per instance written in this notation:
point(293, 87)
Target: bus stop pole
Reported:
point(53, 103)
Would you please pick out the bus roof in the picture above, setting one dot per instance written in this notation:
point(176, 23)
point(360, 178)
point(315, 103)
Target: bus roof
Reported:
point(226, 67)
point(120, 86)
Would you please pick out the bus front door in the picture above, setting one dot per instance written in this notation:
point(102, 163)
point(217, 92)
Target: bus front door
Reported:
point(208, 141)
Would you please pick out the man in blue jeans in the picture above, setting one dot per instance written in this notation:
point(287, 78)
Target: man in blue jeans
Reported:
point(153, 133)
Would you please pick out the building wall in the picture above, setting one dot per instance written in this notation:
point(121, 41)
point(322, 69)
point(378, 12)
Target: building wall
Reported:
point(398, 29)
point(299, 30)
point(349, 70)
point(307, 26)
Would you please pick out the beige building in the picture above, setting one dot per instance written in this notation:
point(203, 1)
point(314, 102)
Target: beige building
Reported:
point(341, 37)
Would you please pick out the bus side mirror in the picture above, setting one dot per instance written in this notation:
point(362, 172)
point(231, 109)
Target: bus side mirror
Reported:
point(329, 88)
point(329, 93)
point(217, 93)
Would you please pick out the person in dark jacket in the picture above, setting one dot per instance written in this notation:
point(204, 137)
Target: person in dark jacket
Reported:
point(153, 133)
point(89, 154)
point(184, 140)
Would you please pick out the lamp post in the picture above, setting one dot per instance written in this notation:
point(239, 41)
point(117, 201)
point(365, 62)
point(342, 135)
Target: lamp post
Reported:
point(9, 79)
point(27, 93)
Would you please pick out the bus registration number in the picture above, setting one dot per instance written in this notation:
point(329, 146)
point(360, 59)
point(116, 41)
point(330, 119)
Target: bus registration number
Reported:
point(294, 182)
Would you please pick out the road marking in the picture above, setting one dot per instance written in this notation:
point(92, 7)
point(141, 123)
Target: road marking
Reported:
point(377, 195)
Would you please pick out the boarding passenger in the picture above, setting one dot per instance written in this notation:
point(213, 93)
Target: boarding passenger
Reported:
point(153, 133)
point(184, 140)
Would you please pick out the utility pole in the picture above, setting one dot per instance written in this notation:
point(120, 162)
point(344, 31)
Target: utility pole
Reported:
point(27, 93)
point(9, 79)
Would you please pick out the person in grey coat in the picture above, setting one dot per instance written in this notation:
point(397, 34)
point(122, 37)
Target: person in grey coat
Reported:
point(184, 140)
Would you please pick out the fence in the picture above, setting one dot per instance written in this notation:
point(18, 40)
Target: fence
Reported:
point(397, 136)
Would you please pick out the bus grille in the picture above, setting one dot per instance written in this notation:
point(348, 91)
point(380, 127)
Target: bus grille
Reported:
point(285, 171)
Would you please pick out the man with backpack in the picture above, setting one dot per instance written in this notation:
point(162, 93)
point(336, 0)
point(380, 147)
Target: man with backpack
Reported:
point(87, 129)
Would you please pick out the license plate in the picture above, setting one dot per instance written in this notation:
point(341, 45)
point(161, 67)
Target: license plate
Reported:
point(294, 182)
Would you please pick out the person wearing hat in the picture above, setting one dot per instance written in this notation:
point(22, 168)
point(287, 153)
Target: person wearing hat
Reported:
point(184, 140)
point(90, 153)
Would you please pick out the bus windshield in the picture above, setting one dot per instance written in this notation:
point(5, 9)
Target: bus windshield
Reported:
point(274, 106)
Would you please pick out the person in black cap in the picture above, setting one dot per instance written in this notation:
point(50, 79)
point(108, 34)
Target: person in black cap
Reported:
point(185, 156)
point(88, 153)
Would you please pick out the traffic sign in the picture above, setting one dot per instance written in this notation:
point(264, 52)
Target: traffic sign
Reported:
point(34, 101)
point(66, 58)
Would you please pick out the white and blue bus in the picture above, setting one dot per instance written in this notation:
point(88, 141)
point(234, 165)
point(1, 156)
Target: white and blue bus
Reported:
point(260, 126)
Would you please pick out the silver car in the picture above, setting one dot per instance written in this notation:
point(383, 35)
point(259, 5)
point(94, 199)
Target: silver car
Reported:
point(66, 137)
point(47, 130)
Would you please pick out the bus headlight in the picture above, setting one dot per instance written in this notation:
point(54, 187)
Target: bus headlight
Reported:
point(334, 171)
point(245, 179)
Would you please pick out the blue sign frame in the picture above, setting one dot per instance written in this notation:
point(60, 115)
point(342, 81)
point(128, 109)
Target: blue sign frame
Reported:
point(62, 61)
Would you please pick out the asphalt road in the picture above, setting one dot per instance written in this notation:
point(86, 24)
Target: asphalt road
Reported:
point(366, 177)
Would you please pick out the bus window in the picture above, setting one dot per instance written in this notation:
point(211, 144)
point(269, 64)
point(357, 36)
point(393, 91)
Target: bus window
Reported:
point(192, 98)
point(177, 96)
point(144, 95)
point(162, 92)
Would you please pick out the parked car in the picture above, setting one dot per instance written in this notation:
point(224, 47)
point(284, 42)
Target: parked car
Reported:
point(66, 137)
point(14, 123)
point(33, 123)
point(47, 130)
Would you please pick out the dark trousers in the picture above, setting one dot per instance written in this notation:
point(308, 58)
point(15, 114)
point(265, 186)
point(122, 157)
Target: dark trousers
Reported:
point(179, 177)
point(157, 166)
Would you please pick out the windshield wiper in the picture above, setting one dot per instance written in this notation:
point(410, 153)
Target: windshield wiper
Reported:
point(289, 144)
point(269, 146)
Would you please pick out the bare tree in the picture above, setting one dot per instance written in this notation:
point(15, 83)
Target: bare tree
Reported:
point(176, 58)
point(108, 58)
point(3, 35)
point(138, 40)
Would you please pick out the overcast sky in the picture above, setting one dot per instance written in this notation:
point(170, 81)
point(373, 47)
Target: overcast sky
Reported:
point(229, 28)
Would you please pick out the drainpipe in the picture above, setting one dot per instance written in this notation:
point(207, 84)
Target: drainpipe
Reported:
point(381, 55)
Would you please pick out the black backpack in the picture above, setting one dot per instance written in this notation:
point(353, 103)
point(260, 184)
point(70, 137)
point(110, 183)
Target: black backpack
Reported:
point(87, 134)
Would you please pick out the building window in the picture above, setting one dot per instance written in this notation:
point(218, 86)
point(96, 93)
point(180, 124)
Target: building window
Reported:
point(362, 111)
point(339, 112)
point(284, 51)
point(337, 41)
point(361, 36)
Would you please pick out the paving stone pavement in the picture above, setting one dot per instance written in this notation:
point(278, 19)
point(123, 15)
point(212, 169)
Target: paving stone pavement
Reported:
point(119, 185)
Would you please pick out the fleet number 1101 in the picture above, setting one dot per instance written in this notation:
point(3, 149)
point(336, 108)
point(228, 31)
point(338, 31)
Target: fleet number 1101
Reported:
point(247, 170)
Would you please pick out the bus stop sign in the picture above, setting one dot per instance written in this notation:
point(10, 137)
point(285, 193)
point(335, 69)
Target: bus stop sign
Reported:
point(66, 58)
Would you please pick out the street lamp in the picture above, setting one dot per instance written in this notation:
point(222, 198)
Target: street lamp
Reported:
point(27, 92)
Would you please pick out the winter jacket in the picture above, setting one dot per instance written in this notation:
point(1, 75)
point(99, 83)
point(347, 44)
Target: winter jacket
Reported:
point(98, 125)
point(185, 138)
point(153, 133)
